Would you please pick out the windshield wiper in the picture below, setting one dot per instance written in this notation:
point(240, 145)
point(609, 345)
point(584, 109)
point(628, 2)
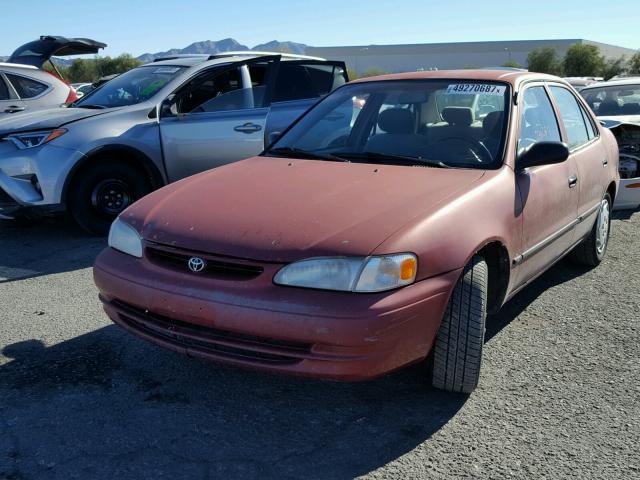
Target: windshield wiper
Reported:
point(95, 107)
point(389, 158)
point(292, 152)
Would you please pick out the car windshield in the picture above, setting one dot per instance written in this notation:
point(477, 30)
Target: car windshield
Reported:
point(614, 100)
point(130, 88)
point(441, 123)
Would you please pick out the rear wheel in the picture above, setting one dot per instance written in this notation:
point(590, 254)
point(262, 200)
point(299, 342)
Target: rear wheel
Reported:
point(457, 352)
point(593, 248)
point(99, 193)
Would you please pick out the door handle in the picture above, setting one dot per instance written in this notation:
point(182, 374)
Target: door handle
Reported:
point(605, 162)
point(248, 128)
point(573, 181)
point(14, 109)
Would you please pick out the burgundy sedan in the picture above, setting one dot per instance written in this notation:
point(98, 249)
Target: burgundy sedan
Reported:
point(377, 231)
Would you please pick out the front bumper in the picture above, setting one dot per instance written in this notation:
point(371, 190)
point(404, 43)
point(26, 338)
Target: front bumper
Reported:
point(35, 177)
point(628, 196)
point(256, 324)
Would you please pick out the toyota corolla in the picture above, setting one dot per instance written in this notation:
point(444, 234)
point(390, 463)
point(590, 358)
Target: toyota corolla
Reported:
point(377, 231)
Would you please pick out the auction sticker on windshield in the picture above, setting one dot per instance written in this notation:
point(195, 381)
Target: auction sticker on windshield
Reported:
point(470, 88)
point(165, 70)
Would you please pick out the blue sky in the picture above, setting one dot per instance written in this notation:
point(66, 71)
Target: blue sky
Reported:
point(139, 26)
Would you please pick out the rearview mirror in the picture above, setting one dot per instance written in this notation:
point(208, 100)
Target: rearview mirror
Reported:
point(167, 106)
point(273, 137)
point(542, 153)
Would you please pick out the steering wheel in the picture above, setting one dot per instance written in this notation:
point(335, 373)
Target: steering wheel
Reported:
point(476, 147)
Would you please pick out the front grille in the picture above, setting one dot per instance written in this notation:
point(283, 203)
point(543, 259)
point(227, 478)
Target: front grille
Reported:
point(212, 341)
point(178, 260)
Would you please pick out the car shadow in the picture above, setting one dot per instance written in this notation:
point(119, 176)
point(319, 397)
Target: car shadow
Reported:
point(563, 271)
point(45, 246)
point(108, 405)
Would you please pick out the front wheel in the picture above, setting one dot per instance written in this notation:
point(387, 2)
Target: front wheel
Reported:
point(457, 352)
point(100, 193)
point(592, 249)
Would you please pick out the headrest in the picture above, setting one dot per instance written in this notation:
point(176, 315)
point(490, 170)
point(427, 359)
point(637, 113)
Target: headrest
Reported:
point(396, 120)
point(491, 122)
point(462, 116)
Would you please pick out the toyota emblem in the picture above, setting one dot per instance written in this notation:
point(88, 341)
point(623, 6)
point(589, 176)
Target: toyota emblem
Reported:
point(196, 264)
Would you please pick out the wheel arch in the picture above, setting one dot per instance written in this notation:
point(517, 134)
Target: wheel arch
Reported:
point(130, 155)
point(612, 190)
point(496, 255)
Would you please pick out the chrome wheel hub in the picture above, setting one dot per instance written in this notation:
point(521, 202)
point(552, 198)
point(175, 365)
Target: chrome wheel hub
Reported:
point(602, 227)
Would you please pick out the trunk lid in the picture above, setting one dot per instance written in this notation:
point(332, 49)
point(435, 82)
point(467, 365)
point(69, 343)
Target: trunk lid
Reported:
point(36, 53)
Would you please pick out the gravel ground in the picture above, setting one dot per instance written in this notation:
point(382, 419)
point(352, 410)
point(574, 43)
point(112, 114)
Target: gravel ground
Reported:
point(79, 398)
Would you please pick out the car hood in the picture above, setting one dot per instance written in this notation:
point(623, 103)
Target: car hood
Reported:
point(47, 118)
point(615, 120)
point(282, 210)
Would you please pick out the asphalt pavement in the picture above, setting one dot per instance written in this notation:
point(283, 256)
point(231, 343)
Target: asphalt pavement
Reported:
point(559, 395)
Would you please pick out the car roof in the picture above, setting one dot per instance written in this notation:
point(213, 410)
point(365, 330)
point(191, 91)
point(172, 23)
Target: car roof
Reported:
point(515, 78)
point(225, 57)
point(611, 83)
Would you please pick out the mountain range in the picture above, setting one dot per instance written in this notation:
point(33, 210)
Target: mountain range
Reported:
point(209, 47)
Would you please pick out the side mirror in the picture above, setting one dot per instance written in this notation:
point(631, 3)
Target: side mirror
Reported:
point(273, 137)
point(167, 106)
point(542, 153)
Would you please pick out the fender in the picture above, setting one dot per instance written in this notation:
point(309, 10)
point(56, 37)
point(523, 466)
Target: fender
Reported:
point(155, 175)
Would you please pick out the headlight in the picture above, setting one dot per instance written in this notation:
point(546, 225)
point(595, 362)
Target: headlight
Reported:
point(35, 139)
point(351, 274)
point(125, 238)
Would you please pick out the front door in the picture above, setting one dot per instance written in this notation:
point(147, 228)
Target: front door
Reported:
point(549, 193)
point(217, 117)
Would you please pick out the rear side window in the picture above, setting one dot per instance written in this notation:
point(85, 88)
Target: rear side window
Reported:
point(572, 117)
point(538, 122)
point(299, 81)
point(4, 91)
point(27, 87)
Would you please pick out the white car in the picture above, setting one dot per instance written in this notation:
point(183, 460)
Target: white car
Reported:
point(26, 86)
point(617, 105)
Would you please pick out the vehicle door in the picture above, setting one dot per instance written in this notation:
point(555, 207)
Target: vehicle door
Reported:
point(217, 117)
point(299, 85)
point(31, 92)
point(587, 151)
point(9, 101)
point(548, 193)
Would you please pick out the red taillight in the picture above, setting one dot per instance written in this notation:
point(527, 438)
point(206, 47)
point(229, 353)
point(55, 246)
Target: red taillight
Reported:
point(73, 96)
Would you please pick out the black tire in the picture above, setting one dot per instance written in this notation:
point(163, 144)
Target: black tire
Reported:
point(99, 193)
point(457, 352)
point(591, 250)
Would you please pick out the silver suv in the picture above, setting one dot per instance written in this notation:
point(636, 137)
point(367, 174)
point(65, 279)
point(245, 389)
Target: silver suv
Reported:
point(24, 85)
point(153, 125)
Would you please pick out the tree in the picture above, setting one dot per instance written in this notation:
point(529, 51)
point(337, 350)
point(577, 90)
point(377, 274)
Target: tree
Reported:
point(353, 75)
point(511, 64)
point(583, 61)
point(90, 70)
point(634, 64)
point(613, 67)
point(544, 60)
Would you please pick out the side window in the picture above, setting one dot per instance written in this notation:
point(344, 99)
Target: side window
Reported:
point(4, 91)
point(27, 87)
point(538, 122)
point(592, 132)
point(572, 117)
point(211, 92)
point(298, 81)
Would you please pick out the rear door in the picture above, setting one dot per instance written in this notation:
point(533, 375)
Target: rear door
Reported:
point(299, 85)
point(588, 152)
point(218, 117)
point(9, 101)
